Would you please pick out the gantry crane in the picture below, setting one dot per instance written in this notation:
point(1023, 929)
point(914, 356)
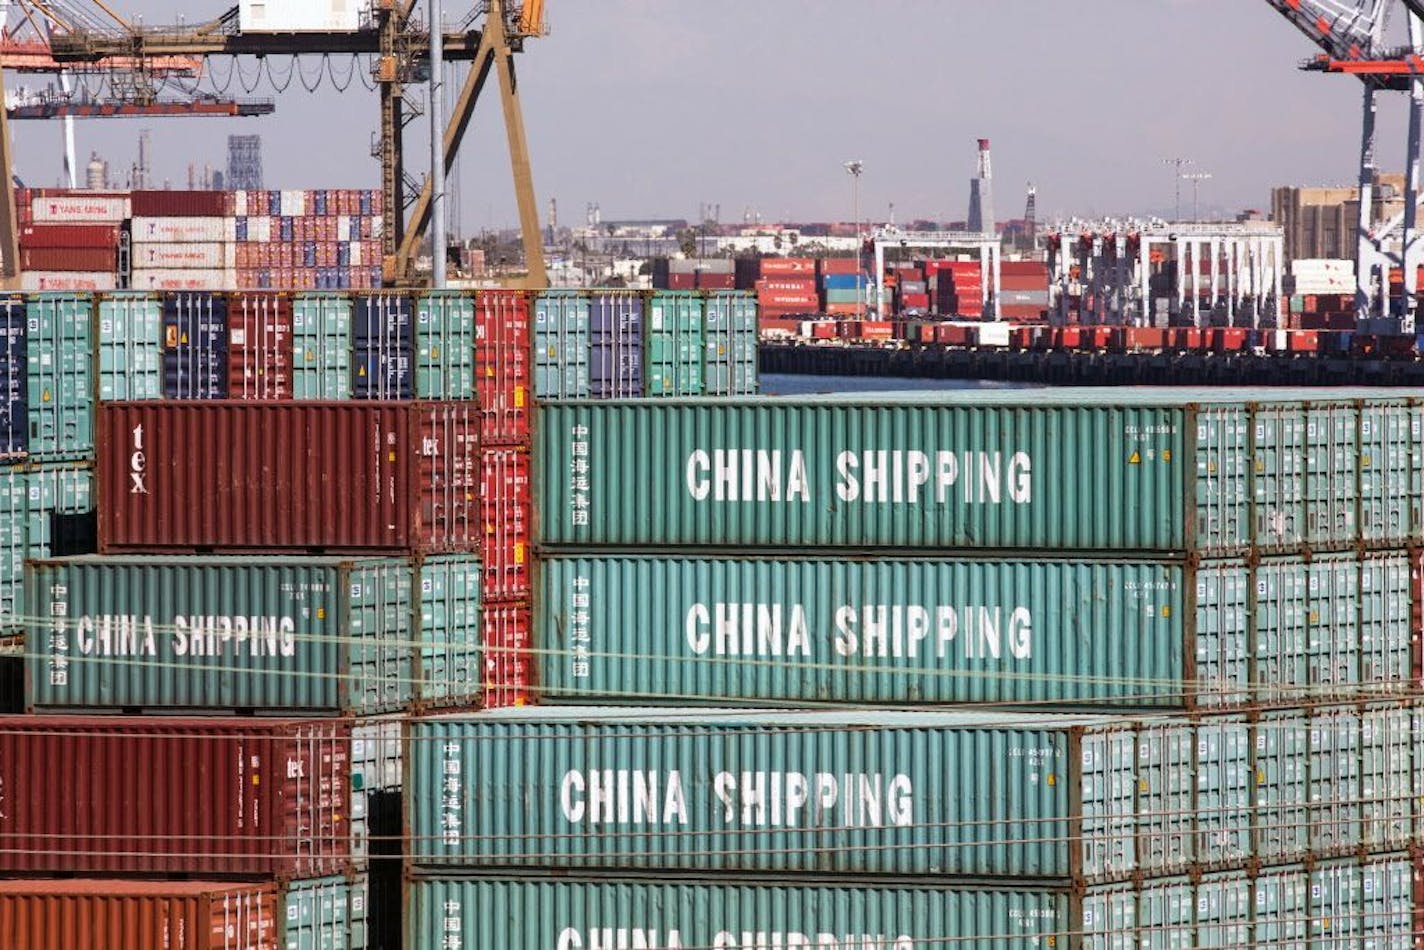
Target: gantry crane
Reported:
point(1351, 35)
point(488, 39)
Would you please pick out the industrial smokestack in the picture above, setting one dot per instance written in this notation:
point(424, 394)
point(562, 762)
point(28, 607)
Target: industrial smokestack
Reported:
point(981, 194)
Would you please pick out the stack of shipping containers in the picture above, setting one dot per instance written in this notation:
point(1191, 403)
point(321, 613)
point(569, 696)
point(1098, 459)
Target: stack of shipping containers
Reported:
point(1225, 592)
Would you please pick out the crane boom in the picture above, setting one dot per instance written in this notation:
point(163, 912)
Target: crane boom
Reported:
point(1344, 29)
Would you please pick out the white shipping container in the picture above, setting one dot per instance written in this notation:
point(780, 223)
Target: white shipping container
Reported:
point(203, 255)
point(259, 230)
point(190, 230)
point(294, 204)
point(343, 228)
point(33, 280)
point(378, 226)
point(80, 209)
point(1322, 264)
point(355, 254)
point(175, 279)
point(300, 16)
point(239, 203)
point(993, 334)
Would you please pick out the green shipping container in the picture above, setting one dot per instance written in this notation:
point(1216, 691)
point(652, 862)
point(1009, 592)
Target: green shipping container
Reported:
point(973, 793)
point(445, 345)
point(130, 346)
point(61, 376)
point(561, 345)
point(731, 359)
point(1164, 634)
point(674, 338)
point(317, 634)
point(321, 341)
point(327, 913)
point(1163, 470)
point(43, 511)
point(1339, 904)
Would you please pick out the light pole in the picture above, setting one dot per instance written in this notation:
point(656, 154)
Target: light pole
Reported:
point(855, 169)
point(1196, 178)
point(1179, 164)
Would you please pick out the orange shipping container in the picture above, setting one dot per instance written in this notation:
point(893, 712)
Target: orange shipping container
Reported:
point(118, 915)
point(788, 267)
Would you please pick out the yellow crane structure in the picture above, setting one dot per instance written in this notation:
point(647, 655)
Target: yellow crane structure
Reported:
point(489, 37)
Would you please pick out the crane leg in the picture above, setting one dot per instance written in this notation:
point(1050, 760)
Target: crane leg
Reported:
point(1411, 250)
point(519, 161)
point(9, 223)
point(1364, 246)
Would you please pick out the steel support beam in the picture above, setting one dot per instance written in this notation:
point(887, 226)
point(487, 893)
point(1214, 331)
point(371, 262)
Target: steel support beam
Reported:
point(1411, 250)
point(1364, 248)
point(9, 222)
point(390, 75)
point(518, 149)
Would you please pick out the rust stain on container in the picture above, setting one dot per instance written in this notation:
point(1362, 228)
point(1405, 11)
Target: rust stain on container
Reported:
point(117, 915)
point(228, 475)
point(106, 795)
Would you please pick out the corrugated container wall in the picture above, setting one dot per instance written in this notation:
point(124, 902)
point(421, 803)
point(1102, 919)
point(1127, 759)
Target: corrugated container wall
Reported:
point(445, 345)
point(383, 334)
point(561, 345)
point(318, 635)
point(1170, 470)
point(324, 914)
point(503, 345)
point(1338, 904)
point(1001, 630)
point(180, 796)
point(983, 793)
point(507, 493)
point(113, 915)
point(322, 346)
point(14, 387)
point(60, 378)
point(44, 511)
point(168, 476)
point(130, 346)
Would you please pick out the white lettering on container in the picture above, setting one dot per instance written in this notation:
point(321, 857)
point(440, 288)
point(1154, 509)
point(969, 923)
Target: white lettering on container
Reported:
point(786, 799)
point(216, 636)
point(623, 797)
point(138, 464)
point(748, 630)
point(883, 476)
point(748, 475)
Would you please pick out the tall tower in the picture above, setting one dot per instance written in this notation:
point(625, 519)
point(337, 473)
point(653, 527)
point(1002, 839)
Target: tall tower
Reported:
point(1031, 217)
point(244, 162)
point(981, 194)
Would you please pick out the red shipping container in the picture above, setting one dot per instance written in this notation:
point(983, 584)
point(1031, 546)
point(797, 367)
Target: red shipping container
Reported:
point(69, 258)
point(1304, 341)
point(823, 330)
point(1023, 269)
point(119, 795)
point(802, 303)
point(181, 204)
point(952, 335)
point(259, 347)
point(507, 631)
point(878, 330)
point(838, 265)
point(800, 287)
point(502, 347)
point(118, 914)
point(682, 281)
point(1228, 339)
point(508, 501)
point(778, 326)
point(226, 475)
point(1143, 338)
point(788, 267)
point(707, 281)
point(921, 301)
point(844, 309)
point(70, 235)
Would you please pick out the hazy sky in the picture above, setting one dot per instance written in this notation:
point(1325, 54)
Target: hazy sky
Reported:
point(649, 107)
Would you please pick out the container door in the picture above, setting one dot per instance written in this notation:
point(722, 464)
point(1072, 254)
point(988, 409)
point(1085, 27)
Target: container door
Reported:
point(1223, 806)
point(1280, 770)
point(1279, 469)
point(130, 347)
point(1222, 593)
point(1221, 474)
point(1109, 795)
point(1165, 782)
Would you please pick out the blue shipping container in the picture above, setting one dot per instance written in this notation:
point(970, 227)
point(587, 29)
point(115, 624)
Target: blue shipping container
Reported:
point(383, 331)
point(14, 382)
point(615, 344)
point(195, 363)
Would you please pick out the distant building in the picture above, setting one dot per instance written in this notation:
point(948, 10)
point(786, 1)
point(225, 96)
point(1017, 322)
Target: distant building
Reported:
point(1321, 222)
point(244, 162)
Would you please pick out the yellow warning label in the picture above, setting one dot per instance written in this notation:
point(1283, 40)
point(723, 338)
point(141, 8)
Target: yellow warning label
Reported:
point(1364, 461)
point(1166, 455)
point(1260, 466)
point(183, 339)
point(1135, 460)
point(1211, 468)
point(1167, 611)
point(391, 457)
point(1052, 779)
point(321, 613)
point(1142, 785)
point(361, 371)
point(1260, 776)
point(519, 397)
point(256, 779)
point(519, 552)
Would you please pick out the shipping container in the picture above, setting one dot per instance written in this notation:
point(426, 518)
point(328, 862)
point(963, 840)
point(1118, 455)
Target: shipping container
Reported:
point(60, 376)
point(195, 346)
point(72, 281)
point(44, 510)
point(1199, 470)
point(674, 340)
point(130, 346)
point(1335, 905)
point(69, 236)
point(14, 384)
point(176, 279)
point(174, 796)
point(80, 208)
point(507, 494)
point(319, 635)
point(376, 782)
point(181, 204)
point(561, 345)
point(326, 913)
point(118, 915)
point(182, 256)
point(503, 345)
point(731, 357)
point(445, 345)
point(507, 634)
point(183, 230)
point(65, 259)
point(383, 333)
point(242, 476)
point(1164, 633)
point(260, 347)
point(1070, 798)
point(616, 344)
point(322, 346)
